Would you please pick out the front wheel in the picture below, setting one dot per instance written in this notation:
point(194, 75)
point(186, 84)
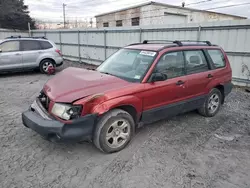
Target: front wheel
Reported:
point(212, 104)
point(114, 131)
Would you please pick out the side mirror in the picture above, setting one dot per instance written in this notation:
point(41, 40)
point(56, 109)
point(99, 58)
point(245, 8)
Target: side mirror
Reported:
point(0, 50)
point(158, 77)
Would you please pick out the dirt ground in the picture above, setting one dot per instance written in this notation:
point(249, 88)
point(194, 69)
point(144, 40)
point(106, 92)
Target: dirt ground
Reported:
point(187, 151)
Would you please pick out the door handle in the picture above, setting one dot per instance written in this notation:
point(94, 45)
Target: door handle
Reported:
point(17, 54)
point(180, 82)
point(210, 76)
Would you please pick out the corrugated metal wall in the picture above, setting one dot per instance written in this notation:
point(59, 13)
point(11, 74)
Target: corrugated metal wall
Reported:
point(7, 33)
point(95, 45)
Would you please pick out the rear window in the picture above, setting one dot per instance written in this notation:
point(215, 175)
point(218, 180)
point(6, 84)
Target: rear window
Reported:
point(218, 58)
point(46, 45)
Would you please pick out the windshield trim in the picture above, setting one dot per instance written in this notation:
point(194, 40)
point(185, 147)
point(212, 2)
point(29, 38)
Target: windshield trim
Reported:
point(130, 79)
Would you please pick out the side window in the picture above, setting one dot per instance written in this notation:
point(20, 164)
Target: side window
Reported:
point(10, 46)
point(30, 45)
point(45, 45)
point(218, 58)
point(171, 64)
point(195, 62)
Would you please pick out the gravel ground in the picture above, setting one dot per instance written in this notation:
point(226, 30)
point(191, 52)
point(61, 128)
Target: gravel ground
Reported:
point(185, 151)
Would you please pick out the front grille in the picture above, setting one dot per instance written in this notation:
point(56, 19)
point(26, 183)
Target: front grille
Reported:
point(44, 99)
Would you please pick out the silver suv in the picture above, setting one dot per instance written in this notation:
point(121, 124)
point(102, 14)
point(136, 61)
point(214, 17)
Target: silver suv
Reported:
point(28, 53)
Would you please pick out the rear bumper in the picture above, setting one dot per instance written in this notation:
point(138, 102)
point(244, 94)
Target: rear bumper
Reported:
point(54, 130)
point(59, 61)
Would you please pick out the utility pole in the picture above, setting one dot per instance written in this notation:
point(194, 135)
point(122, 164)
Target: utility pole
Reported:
point(91, 22)
point(64, 19)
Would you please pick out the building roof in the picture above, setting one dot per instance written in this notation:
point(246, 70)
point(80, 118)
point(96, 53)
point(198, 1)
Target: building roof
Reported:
point(167, 5)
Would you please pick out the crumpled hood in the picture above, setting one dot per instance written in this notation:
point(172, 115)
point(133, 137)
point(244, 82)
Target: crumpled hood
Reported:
point(74, 83)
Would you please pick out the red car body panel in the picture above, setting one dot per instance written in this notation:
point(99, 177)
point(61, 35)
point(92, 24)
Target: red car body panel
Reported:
point(74, 83)
point(99, 93)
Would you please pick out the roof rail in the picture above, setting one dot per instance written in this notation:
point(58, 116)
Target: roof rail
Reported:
point(197, 41)
point(178, 42)
point(15, 37)
point(169, 41)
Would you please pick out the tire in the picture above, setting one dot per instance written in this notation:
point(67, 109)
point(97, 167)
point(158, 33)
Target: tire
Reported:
point(45, 63)
point(208, 109)
point(109, 131)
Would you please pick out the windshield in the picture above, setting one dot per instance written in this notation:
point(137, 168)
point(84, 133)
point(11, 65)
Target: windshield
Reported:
point(128, 64)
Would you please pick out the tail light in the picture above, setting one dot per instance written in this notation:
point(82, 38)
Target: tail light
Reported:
point(59, 52)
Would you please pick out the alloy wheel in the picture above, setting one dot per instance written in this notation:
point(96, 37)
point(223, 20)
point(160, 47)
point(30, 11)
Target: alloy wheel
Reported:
point(118, 133)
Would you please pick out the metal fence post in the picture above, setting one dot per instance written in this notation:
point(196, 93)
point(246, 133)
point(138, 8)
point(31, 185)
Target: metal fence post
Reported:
point(60, 40)
point(140, 35)
point(105, 44)
point(199, 33)
point(79, 46)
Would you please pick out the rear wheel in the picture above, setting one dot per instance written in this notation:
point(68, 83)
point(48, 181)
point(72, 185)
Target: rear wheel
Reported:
point(114, 131)
point(212, 104)
point(45, 64)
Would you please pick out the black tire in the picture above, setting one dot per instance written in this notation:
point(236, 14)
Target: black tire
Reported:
point(204, 110)
point(103, 126)
point(42, 64)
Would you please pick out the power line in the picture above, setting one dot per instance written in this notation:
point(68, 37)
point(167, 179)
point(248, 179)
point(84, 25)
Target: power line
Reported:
point(208, 2)
point(199, 2)
point(228, 6)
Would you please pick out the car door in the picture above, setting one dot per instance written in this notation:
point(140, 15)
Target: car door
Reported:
point(199, 75)
point(165, 98)
point(31, 50)
point(10, 55)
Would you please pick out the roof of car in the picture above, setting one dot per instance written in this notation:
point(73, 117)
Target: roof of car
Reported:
point(25, 39)
point(151, 47)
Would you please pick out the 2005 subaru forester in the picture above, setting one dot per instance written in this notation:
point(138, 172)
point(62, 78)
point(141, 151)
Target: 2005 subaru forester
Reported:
point(141, 83)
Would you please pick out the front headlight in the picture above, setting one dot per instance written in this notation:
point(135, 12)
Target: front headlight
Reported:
point(66, 111)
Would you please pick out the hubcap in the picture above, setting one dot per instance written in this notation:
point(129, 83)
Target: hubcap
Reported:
point(46, 66)
point(213, 103)
point(118, 133)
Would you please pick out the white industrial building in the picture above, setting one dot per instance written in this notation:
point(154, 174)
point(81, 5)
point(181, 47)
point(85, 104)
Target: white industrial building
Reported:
point(154, 13)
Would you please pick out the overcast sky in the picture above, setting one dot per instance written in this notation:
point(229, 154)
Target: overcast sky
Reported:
point(82, 9)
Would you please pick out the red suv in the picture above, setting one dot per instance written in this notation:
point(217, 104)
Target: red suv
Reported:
point(140, 83)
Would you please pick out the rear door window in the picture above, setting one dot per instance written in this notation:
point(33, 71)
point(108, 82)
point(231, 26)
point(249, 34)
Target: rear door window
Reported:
point(30, 45)
point(218, 58)
point(195, 62)
point(10, 46)
point(46, 45)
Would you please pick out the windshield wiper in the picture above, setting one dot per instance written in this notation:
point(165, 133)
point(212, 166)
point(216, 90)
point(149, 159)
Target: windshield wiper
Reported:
point(107, 73)
point(91, 69)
